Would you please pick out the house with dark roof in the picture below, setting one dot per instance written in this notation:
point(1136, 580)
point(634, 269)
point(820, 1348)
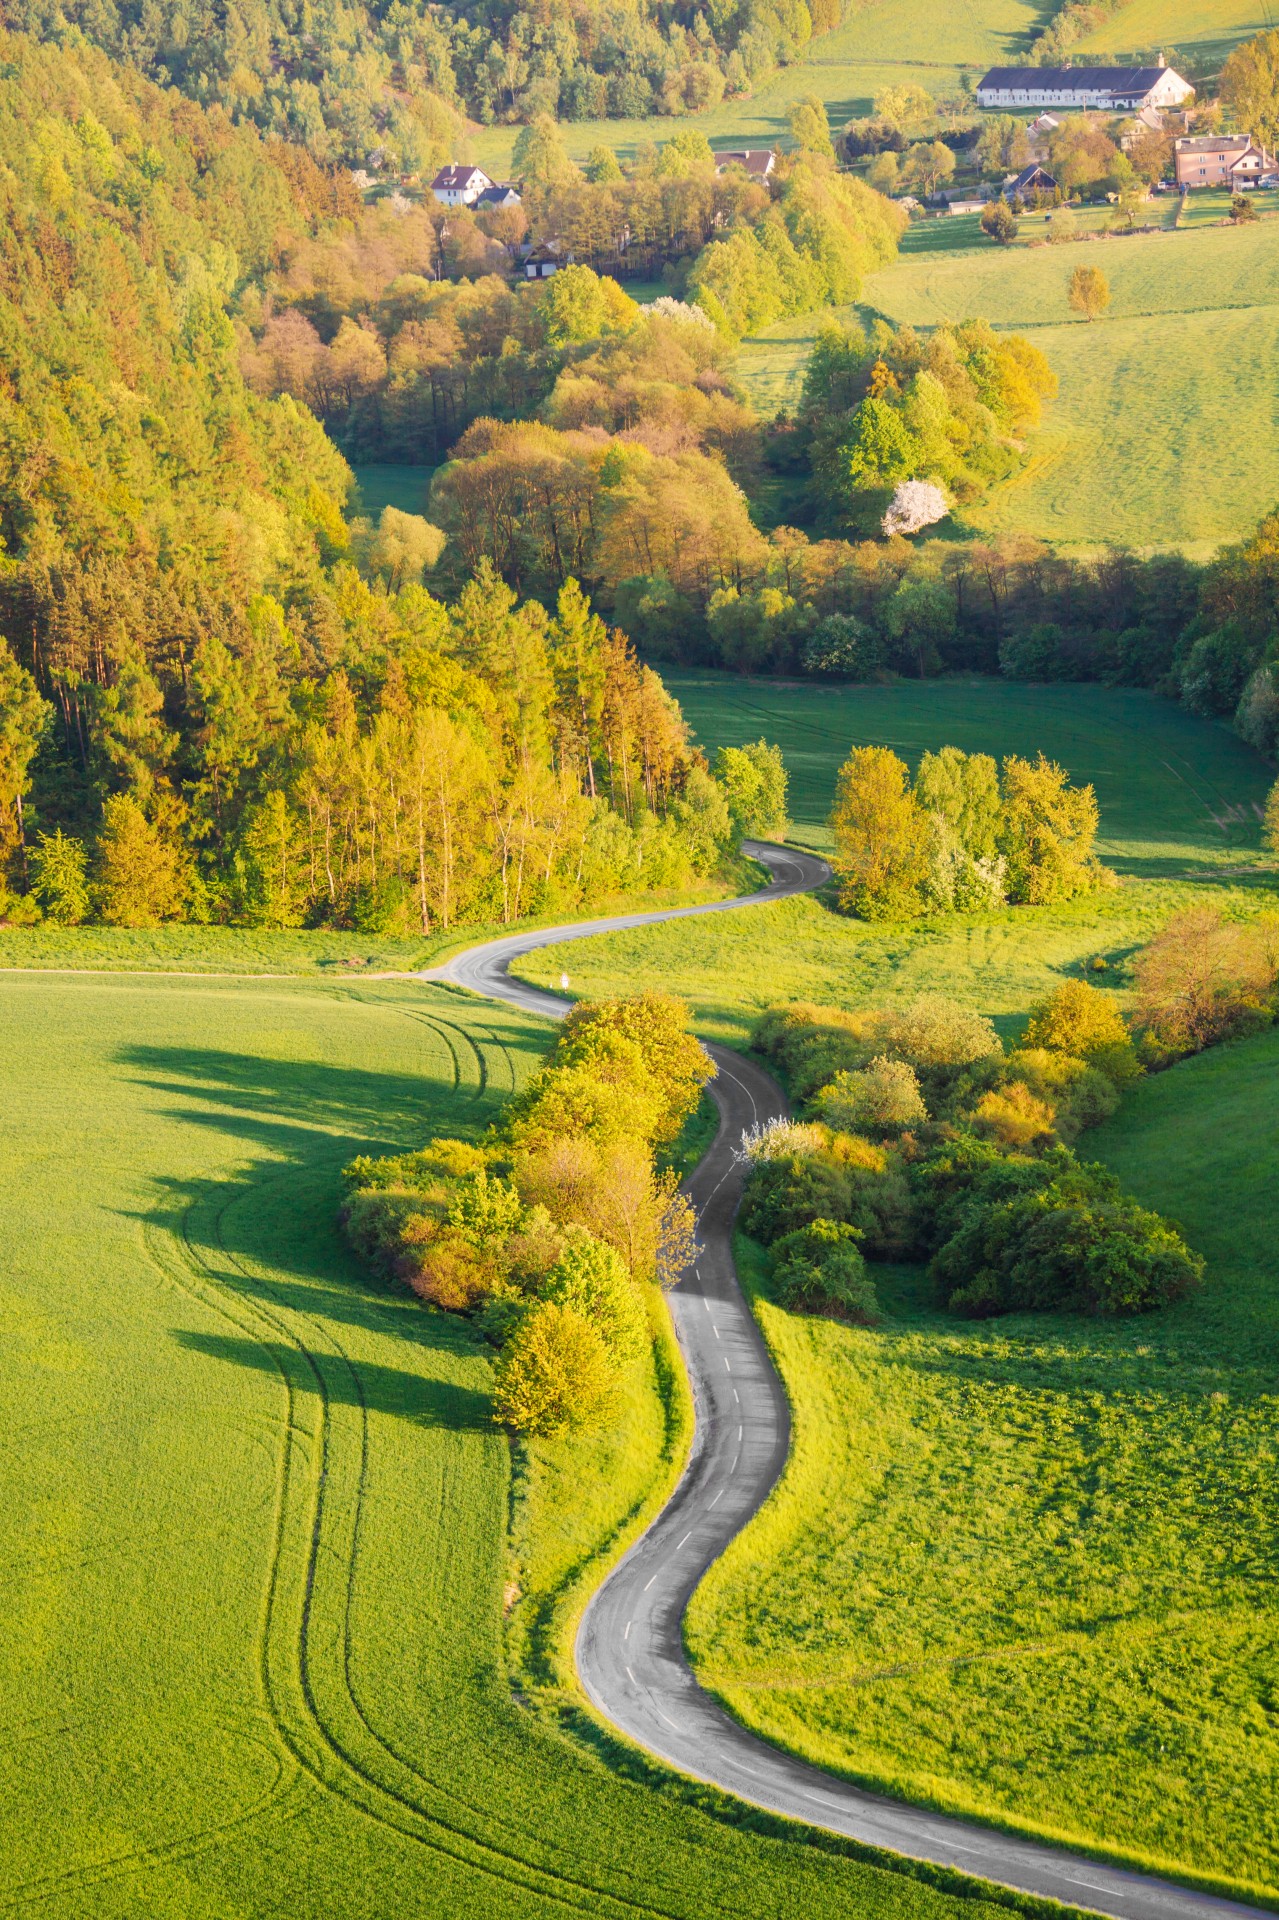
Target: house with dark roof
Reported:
point(455, 186)
point(1032, 179)
point(546, 258)
point(1231, 160)
point(757, 161)
point(501, 195)
point(1113, 89)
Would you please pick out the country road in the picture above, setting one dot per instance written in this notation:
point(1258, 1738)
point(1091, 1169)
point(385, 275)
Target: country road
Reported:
point(630, 1653)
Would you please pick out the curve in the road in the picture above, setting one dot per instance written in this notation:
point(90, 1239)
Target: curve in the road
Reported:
point(630, 1652)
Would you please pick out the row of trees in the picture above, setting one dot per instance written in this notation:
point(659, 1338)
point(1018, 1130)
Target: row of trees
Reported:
point(964, 834)
point(924, 1139)
point(552, 1230)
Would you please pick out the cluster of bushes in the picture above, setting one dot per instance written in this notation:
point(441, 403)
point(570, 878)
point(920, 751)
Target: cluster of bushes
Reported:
point(923, 1139)
point(550, 1231)
point(963, 835)
point(894, 407)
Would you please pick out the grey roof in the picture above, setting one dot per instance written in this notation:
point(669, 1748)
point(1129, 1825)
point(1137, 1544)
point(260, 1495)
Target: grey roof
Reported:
point(1118, 80)
point(1028, 177)
point(1207, 142)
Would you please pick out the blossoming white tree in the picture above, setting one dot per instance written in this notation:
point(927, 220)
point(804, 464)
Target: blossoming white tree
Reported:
point(915, 504)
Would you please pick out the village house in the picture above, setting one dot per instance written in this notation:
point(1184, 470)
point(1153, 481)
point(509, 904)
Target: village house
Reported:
point(757, 161)
point(501, 195)
point(1110, 88)
point(1031, 180)
point(456, 186)
point(546, 258)
point(1231, 160)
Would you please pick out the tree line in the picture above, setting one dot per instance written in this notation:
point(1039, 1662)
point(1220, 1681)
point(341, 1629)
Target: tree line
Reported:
point(963, 835)
point(552, 1231)
point(479, 762)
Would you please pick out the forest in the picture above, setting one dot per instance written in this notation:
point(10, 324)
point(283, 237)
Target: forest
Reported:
point(393, 84)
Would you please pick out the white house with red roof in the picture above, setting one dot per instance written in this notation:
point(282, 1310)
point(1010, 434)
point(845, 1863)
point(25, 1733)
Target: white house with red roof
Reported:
point(455, 186)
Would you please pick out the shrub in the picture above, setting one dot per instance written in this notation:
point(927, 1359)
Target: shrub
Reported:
point(777, 1139)
point(1015, 1117)
point(1082, 1096)
point(590, 1278)
point(1079, 1020)
point(554, 1374)
point(882, 1099)
point(970, 1174)
point(1204, 979)
point(484, 1209)
point(820, 1270)
point(935, 1034)
point(880, 1202)
point(792, 1191)
point(1042, 1252)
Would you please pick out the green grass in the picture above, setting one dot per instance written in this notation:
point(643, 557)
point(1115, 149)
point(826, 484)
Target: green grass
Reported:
point(1131, 450)
point(1177, 794)
point(389, 486)
point(253, 1514)
point(1200, 26)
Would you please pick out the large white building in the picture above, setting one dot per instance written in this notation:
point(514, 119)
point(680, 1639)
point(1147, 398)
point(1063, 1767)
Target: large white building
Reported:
point(1113, 89)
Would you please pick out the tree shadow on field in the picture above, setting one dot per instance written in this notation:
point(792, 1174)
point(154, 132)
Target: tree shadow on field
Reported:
point(422, 1399)
point(267, 1230)
point(284, 1103)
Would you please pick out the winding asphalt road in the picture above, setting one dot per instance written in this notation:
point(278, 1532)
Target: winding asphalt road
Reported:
point(630, 1653)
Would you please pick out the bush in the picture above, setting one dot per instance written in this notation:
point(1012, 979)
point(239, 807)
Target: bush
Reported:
point(1205, 979)
point(969, 1174)
point(786, 1194)
point(880, 1202)
point(882, 1099)
point(820, 1270)
point(1015, 1117)
point(1081, 1095)
point(1081, 1021)
point(1044, 1252)
point(590, 1278)
point(554, 1374)
point(936, 1035)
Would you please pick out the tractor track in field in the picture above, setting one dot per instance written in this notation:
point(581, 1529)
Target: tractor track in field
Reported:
point(630, 1652)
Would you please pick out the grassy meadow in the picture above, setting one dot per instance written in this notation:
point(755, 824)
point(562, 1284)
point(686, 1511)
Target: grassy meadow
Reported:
point(1179, 369)
point(255, 1517)
point(1206, 28)
point(1022, 1569)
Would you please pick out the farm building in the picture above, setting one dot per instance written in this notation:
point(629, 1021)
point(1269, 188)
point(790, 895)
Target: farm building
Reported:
point(1110, 88)
point(460, 186)
point(1221, 160)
